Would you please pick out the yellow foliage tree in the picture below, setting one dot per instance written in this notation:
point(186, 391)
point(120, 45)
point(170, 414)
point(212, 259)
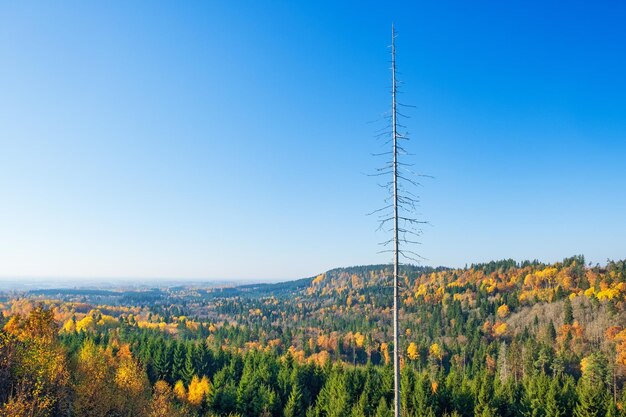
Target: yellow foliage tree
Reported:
point(85, 324)
point(355, 281)
point(94, 394)
point(503, 311)
point(132, 385)
point(199, 389)
point(162, 404)
point(38, 325)
point(69, 326)
point(179, 390)
point(499, 329)
point(359, 339)
point(621, 353)
point(321, 358)
point(436, 352)
point(34, 351)
point(384, 349)
point(412, 351)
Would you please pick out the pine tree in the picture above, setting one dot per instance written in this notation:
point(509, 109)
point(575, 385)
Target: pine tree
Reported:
point(550, 332)
point(189, 369)
point(592, 400)
point(372, 391)
point(284, 379)
point(422, 396)
point(568, 312)
point(567, 395)
point(178, 361)
point(204, 360)
point(359, 407)
point(294, 403)
point(160, 362)
point(248, 400)
point(383, 409)
point(407, 393)
point(484, 406)
point(333, 399)
point(552, 404)
point(488, 412)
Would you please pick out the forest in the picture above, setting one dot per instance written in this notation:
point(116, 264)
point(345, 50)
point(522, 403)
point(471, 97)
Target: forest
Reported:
point(503, 338)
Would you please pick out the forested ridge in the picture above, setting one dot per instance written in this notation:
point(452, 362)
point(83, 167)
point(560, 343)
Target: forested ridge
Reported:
point(495, 339)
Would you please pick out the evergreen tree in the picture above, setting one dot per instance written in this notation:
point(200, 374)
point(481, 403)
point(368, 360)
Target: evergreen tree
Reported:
point(204, 358)
point(160, 362)
point(294, 403)
point(612, 410)
point(568, 396)
point(422, 396)
point(592, 400)
point(568, 312)
point(484, 406)
point(285, 379)
point(407, 382)
point(333, 400)
point(358, 409)
point(553, 406)
point(383, 409)
point(178, 361)
point(224, 398)
point(508, 398)
point(189, 368)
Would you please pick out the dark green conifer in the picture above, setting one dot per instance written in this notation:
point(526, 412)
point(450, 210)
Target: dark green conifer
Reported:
point(178, 361)
point(383, 409)
point(293, 408)
point(189, 368)
point(553, 405)
point(568, 312)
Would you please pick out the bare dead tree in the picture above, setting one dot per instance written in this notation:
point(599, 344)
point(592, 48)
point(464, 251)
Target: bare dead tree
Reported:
point(398, 216)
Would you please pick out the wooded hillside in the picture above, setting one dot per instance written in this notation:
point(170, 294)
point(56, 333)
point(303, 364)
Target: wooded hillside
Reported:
point(496, 339)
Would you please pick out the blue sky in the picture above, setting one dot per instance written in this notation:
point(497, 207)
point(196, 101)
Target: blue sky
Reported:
point(230, 140)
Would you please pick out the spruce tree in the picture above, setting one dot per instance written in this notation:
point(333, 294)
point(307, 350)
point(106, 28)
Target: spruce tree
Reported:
point(293, 408)
point(592, 400)
point(358, 409)
point(553, 406)
point(383, 409)
point(333, 400)
point(568, 396)
point(161, 363)
point(568, 312)
point(204, 359)
point(189, 368)
point(408, 385)
point(178, 361)
point(484, 406)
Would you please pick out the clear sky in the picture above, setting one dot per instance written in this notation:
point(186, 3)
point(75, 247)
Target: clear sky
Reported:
point(230, 139)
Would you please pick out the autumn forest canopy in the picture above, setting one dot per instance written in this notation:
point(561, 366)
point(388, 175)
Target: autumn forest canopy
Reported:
point(495, 339)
